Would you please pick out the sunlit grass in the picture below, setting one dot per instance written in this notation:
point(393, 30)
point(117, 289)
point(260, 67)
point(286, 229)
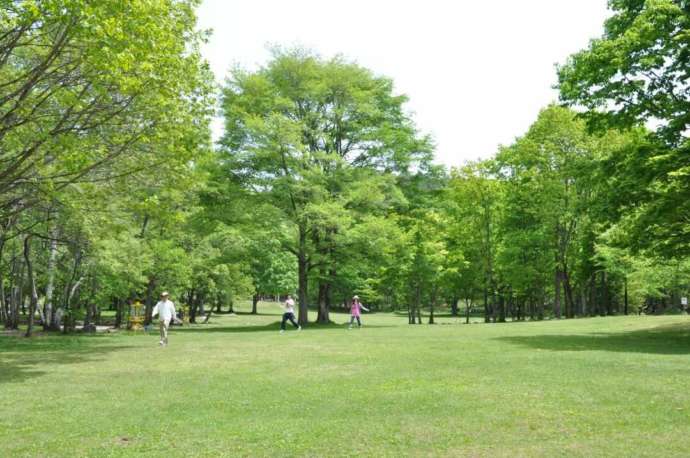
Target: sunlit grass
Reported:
point(236, 387)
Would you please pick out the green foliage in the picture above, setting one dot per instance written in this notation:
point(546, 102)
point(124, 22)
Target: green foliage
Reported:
point(317, 144)
point(637, 73)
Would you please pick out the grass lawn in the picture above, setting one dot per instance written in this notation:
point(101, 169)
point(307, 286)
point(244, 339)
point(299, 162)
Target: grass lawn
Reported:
point(236, 387)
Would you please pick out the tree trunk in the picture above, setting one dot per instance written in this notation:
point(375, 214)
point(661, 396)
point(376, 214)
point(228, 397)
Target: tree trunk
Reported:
point(15, 292)
point(150, 286)
point(91, 311)
point(487, 313)
point(119, 313)
point(208, 315)
point(255, 302)
point(593, 304)
point(416, 304)
point(531, 307)
point(468, 307)
point(515, 307)
point(605, 292)
point(557, 294)
point(454, 306)
point(3, 303)
point(32, 285)
point(49, 322)
point(303, 270)
point(323, 315)
point(193, 305)
point(69, 322)
point(569, 302)
point(432, 305)
point(625, 294)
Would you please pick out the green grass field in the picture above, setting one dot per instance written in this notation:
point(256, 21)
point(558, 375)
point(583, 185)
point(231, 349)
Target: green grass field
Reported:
point(590, 387)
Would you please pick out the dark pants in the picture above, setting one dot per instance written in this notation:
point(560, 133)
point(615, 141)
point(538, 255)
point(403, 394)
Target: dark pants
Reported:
point(352, 320)
point(288, 316)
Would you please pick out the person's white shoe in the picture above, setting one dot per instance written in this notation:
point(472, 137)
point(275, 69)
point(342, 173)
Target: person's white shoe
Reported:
point(282, 331)
point(299, 328)
point(161, 343)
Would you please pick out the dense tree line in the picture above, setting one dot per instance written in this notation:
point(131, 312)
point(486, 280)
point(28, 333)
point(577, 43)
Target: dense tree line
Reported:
point(110, 188)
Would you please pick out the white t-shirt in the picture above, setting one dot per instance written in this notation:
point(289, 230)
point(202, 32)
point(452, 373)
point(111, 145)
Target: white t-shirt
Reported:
point(165, 310)
point(289, 306)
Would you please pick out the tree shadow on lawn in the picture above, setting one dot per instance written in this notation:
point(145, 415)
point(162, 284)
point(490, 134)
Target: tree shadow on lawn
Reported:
point(663, 340)
point(272, 327)
point(22, 359)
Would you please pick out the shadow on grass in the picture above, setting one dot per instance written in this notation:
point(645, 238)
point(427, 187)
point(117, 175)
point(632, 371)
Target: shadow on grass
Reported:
point(22, 359)
point(663, 340)
point(272, 327)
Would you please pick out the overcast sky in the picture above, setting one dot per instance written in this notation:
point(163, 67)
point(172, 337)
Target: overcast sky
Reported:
point(476, 72)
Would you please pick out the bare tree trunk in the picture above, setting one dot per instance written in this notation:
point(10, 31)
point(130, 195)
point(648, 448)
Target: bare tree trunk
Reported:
point(150, 286)
point(193, 305)
point(569, 302)
point(255, 302)
point(302, 293)
point(325, 290)
point(10, 322)
point(49, 322)
point(501, 308)
point(16, 286)
point(593, 305)
point(66, 312)
point(91, 309)
point(454, 306)
point(69, 322)
point(3, 303)
point(414, 309)
point(625, 294)
point(432, 305)
point(119, 313)
point(410, 313)
point(208, 315)
point(531, 307)
point(487, 312)
point(605, 292)
point(468, 307)
point(557, 294)
point(32, 285)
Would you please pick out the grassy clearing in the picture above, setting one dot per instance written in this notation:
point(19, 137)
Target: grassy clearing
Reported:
point(590, 387)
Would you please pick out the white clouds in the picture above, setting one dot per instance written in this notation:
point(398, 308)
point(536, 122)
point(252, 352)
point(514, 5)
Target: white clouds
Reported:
point(476, 72)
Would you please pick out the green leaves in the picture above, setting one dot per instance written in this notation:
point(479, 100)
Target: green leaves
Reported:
point(320, 142)
point(636, 74)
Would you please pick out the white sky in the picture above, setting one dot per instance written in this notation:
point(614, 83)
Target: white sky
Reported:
point(476, 72)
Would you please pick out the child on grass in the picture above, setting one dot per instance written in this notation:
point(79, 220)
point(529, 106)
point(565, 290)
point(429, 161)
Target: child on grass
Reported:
point(356, 311)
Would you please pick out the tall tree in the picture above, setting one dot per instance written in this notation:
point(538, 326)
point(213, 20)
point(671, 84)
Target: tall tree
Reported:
point(638, 73)
point(297, 131)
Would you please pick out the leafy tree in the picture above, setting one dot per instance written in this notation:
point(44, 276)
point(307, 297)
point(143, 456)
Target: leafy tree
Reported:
point(637, 73)
point(477, 198)
point(298, 132)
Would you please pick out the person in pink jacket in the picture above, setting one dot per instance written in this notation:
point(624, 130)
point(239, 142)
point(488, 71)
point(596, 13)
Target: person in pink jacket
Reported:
point(356, 311)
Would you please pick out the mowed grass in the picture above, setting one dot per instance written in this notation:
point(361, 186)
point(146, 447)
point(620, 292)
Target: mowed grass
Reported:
point(615, 386)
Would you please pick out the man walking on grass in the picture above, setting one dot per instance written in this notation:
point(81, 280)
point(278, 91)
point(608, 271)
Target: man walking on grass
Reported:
point(165, 309)
point(289, 314)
